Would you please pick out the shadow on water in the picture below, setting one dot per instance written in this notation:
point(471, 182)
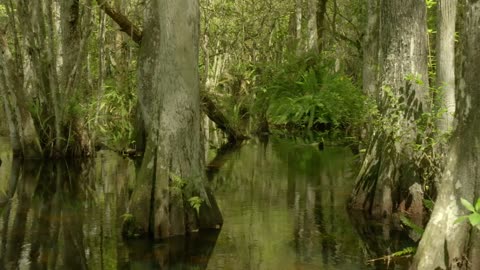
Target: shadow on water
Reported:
point(283, 203)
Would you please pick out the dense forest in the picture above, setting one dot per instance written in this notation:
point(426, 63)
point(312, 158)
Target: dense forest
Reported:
point(178, 85)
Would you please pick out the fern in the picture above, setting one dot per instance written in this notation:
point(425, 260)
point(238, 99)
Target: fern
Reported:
point(407, 222)
point(404, 252)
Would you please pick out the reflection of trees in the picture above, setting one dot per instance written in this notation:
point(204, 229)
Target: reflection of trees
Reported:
point(182, 252)
point(255, 182)
point(66, 215)
point(379, 238)
point(44, 229)
point(259, 178)
point(311, 174)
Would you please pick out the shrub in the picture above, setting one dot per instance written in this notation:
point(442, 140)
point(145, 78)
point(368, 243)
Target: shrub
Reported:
point(305, 93)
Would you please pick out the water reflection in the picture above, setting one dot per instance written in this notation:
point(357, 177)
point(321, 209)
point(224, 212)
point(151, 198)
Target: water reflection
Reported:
point(66, 215)
point(284, 207)
point(283, 204)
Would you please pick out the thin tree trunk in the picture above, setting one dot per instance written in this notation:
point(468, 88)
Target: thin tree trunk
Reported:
point(298, 26)
point(371, 49)
point(321, 14)
point(312, 45)
point(445, 52)
point(23, 134)
point(101, 68)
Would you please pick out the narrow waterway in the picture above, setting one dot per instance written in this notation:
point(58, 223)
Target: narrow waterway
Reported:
point(283, 203)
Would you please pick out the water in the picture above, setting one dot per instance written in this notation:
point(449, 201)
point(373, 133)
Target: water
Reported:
point(283, 205)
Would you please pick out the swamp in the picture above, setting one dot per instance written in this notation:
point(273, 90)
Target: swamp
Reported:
point(240, 134)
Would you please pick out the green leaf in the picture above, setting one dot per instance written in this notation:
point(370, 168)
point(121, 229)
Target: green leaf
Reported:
point(460, 219)
point(474, 219)
point(429, 204)
point(405, 251)
point(477, 205)
point(195, 203)
point(467, 205)
point(407, 222)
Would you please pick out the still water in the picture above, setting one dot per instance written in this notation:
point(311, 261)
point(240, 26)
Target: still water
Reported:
point(283, 204)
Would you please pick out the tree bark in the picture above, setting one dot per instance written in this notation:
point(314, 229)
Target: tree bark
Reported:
point(445, 53)
point(125, 24)
point(209, 106)
point(390, 177)
point(445, 244)
point(321, 13)
point(23, 134)
point(174, 165)
point(298, 26)
point(312, 45)
point(371, 49)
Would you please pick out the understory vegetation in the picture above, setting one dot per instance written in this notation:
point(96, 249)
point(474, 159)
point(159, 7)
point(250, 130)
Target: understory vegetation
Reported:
point(306, 93)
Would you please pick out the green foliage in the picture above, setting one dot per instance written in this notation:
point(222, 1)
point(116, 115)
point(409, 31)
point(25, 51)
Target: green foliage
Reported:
point(429, 204)
point(418, 133)
point(195, 203)
point(431, 4)
point(129, 229)
point(305, 93)
point(127, 217)
point(474, 216)
point(180, 186)
point(405, 252)
point(114, 115)
point(177, 184)
point(410, 224)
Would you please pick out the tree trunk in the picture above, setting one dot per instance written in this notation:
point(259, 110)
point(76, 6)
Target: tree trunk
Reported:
point(73, 47)
point(298, 26)
point(56, 44)
point(23, 134)
point(445, 52)
point(173, 167)
point(371, 49)
point(445, 244)
point(312, 45)
point(321, 13)
point(210, 108)
point(386, 182)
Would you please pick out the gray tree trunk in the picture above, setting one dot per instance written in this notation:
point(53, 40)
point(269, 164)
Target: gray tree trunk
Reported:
point(389, 170)
point(312, 44)
point(371, 49)
point(298, 25)
point(321, 25)
point(23, 134)
point(445, 52)
point(446, 245)
point(173, 166)
point(56, 52)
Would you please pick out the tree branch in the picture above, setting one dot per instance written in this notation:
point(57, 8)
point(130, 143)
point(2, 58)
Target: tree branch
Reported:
point(125, 24)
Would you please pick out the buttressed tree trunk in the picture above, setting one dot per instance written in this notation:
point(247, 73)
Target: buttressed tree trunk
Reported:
point(446, 245)
point(386, 180)
point(173, 168)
